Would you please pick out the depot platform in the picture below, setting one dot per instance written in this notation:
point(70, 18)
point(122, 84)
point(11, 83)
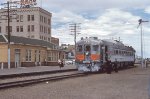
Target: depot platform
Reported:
point(25, 71)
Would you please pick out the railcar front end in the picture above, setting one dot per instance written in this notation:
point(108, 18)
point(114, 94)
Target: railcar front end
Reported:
point(88, 56)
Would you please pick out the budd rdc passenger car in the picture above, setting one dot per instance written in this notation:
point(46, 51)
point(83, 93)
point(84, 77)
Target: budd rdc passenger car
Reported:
point(92, 54)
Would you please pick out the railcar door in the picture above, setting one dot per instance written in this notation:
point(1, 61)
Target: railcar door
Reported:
point(87, 52)
point(104, 53)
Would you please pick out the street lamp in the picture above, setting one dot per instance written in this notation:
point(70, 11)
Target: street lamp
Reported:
point(140, 24)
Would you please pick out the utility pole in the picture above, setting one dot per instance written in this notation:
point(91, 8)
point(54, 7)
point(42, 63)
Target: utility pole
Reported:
point(75, 29)
point(7, 14)
point(140, 24)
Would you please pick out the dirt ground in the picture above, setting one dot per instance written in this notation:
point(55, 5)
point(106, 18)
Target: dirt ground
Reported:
point(126, 84)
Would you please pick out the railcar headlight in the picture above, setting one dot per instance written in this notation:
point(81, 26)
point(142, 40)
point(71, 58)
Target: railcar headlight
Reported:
point(87, 53)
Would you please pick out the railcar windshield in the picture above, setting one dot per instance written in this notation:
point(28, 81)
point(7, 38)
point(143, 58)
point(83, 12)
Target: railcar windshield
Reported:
point(95, 47)
point(87, 48)
point(79, 48)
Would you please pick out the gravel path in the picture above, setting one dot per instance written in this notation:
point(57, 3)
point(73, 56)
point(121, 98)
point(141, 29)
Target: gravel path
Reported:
point(127, 84)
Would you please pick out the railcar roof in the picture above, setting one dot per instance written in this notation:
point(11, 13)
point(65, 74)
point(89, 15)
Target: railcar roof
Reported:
point(117, 44)
point(89, 41)
point(109, 42)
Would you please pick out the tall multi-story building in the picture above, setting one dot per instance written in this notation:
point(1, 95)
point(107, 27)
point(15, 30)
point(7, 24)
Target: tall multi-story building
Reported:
point(31, 43)
point(30, 22)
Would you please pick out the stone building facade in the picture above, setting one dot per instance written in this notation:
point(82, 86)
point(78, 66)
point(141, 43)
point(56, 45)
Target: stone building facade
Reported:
point(33, 22)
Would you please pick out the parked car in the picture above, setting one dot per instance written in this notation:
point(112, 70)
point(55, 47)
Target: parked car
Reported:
point(68, 62)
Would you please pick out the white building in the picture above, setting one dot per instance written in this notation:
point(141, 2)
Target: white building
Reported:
point(33, 22)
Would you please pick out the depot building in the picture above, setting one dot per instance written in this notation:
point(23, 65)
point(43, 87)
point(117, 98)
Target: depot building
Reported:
point(26, 52)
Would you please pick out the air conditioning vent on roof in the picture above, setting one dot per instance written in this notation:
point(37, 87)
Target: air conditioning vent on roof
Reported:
point(94, 38)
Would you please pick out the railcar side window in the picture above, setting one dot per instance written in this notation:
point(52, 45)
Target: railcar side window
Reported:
point(116, 51)
point(79, 48)
point(95, 47)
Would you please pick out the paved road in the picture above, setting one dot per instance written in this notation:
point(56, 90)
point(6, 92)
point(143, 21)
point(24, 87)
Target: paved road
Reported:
point(127, 84)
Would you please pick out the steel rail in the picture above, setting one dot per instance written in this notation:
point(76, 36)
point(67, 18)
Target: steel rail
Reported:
point(35, 81)
point(35, 73)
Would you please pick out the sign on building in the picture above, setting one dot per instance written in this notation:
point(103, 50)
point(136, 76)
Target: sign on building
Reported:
point(27, 3)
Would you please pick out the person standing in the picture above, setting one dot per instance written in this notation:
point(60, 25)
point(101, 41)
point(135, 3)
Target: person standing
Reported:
point(149, 89)
point(115, 66)
point(62, 63)
point(59, 63)
point(108, 66)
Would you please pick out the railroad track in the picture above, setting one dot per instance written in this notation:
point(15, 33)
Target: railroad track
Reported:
point(35, 73)
point(35, 81)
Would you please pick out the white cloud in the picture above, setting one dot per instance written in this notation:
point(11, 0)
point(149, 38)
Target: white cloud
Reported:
point(112, 18)
point(93, 5)
point(66, 17)
point(147, 10)
point(112, 23)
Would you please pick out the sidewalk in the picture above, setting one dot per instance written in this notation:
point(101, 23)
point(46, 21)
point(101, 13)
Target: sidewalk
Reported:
point(25, 70)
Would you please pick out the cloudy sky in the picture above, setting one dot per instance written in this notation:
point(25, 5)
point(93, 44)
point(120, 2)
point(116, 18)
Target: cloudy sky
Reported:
point(112, 19)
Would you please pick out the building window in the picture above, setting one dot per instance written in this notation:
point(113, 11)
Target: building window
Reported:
point(28, 55)
point(39, 56)
point(44, 30)
point(49, 56)
point(21, 28)
point(17, 28)
point(35, 56)
point(44, 20)
point(17, 19)
point(49, 21)
point(40, 28)
point(32, 17)
point(28, 17)
point(21, 18)
point(28, 28)
point(40, 18)
point(10, 29)
point(48, 30)
point(32, 28)
point(49, 39)
point(10, 19)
